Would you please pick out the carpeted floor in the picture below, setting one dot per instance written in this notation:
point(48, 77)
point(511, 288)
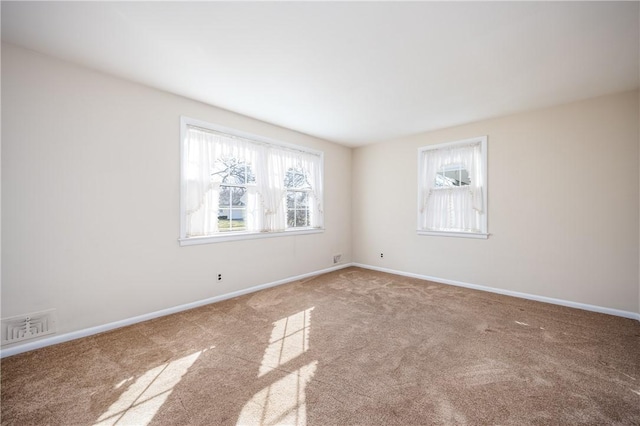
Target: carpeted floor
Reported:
point(349, 347)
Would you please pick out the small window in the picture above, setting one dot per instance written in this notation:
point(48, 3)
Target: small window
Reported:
point(452, 199)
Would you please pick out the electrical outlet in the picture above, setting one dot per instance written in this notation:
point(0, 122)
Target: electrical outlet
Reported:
point(219, 277)
point(381, 255)
point(337, 258)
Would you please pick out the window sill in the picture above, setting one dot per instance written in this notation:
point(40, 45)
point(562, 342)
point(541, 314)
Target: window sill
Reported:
point(246, 236)
point(476, 235)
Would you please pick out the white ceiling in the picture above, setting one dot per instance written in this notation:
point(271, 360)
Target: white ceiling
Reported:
point(354, 73)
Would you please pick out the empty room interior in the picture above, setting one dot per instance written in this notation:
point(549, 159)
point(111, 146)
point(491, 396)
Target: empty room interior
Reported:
point(316, 213)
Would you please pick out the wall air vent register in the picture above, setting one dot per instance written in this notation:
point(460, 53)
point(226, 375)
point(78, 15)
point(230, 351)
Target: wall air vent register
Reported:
point(28, 326)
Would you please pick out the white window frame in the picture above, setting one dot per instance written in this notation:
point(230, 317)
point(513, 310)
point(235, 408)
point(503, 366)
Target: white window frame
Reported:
point(183, 240)
point(483, 234)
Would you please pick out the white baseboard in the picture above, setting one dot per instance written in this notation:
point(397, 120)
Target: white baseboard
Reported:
point(14, 350)
point(561, 302)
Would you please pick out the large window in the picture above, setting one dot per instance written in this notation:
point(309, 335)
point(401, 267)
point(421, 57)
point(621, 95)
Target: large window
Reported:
point(452, 198)
point(237, 186)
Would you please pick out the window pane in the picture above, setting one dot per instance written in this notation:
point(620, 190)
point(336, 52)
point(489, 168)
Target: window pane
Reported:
point(302, 199)
point(224, 223)
point(224, 197)
point(238, 217)
point(465, 179)
point(297, 199)
point(233, 180)
point(232, 212)
point(291, 199)
point(232, 171)
point(238, 197)
point(452, 175)
point(289, 178)
point(232, 196)
point(291, 218)
point(251, 176)
point(296, 178)
point(232, 220)
point(302, 217)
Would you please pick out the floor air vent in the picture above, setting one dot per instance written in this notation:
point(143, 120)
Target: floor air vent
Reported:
point(29, 326)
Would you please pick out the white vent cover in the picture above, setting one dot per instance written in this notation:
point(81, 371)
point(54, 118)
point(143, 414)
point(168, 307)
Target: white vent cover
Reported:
point(29, 326)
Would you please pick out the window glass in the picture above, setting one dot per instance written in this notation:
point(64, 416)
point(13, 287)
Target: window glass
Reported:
point(232, 211)
point(236, 185)
point(452, 189)
point(452, 175)
point(233, 171)
point(298, 187)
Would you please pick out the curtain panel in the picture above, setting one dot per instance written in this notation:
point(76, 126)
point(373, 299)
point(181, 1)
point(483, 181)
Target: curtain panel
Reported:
point(455, 208)
point(264, 198)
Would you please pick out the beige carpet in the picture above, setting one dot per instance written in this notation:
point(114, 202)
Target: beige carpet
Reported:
point(349, 347)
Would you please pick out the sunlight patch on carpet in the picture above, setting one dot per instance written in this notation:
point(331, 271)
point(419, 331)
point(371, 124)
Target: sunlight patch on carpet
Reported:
point(282, 402)
point(289, 339)
point(119, 385)
point(142, 400)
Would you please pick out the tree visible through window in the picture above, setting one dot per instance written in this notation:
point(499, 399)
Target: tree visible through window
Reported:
point(234, 176)
point(238, 186)
point(298, 188)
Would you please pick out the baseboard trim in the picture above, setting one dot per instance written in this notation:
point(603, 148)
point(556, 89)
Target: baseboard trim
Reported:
point(14, 350)
point(561, 302)
point(48, 341)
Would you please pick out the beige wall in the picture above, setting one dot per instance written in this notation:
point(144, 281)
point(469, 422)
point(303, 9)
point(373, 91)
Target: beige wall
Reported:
point(90, 192)
point(563, 205)
point(90, 197)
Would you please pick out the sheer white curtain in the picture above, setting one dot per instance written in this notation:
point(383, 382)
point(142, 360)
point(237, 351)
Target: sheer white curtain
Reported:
point(201, 199)
point(471, 159)
point(202, 152)
point(456, 208)
point(275, 164)
point(312, 165)
point(477, 184)
point(204, 166)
